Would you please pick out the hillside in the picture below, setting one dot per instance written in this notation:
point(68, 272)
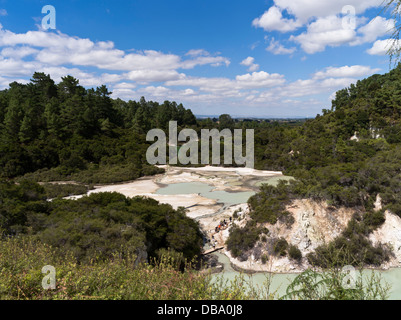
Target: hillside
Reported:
point(347, 157)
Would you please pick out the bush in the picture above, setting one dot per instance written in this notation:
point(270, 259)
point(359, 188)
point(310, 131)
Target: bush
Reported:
point(356, 251)
point(280, 247)
point(269, 205)
point(294, 253)
point(242, 239)
point(96, 226)
point(264, 258)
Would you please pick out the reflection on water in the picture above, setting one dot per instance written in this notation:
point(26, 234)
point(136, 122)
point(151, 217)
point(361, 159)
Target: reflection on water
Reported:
point(273, 181)
point(206, 191)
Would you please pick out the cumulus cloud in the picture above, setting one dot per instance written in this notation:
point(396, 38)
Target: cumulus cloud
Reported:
point(355, 71)
point(61, 49)
point(197, 52)
point(260, 79)
point(305, 10)
point(381, 47)
point(153, 75)
point(324, 22)
point(253, 80)
point(24, 53)
point(273, 20)
point(250, 63)
point(277, 48)
point(125, 85)
point(18, 52)
point(324, 32)
point(376, 28)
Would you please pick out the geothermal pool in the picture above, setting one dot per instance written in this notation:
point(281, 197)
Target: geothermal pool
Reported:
point(207, 191)
point(208, 194)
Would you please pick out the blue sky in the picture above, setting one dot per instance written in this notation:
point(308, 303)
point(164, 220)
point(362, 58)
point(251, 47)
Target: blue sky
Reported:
point(278, 58)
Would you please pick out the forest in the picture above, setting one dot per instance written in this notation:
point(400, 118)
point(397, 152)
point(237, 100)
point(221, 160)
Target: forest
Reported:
point(64, 132)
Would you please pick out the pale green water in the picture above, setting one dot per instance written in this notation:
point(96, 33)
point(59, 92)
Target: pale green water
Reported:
point(206, 191)
point(278, 282)
point(273, 181)
point(185, 188)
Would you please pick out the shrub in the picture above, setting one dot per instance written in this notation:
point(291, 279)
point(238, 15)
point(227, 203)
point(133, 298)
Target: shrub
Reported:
point(294, 253)
point(264, 258)
point(356, 251)
point(280, 247)
point(242, 239)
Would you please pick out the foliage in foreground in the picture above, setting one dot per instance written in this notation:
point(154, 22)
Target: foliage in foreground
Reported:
point(22, 259)
point(21, 262)
point(336, 284)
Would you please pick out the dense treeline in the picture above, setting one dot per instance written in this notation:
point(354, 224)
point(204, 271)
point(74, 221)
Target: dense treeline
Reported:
point(70, 132)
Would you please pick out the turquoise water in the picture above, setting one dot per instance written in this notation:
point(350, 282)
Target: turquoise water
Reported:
point(393, 278)
point(185, 188)
point(280, 282)
point(273, 181)
point(206, 191)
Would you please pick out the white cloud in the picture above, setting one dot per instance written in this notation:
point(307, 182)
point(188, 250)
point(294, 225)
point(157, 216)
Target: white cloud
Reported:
point(18, 52)
point(3, 12)
point(60, 49)
point(16, 68)
point(197, 52)
point(324, 22)
point(253, 80)
point(260, 79)
point(305, 10)
point(250, 63)
point(152, 75)
point(375, 29)
point(277, 48)
point(125, 85)
point(159, 91)
point(204, 60)
point(355, 71)
point(381, 47)
point(273, 20)
point(322, 33)
point(188, 92)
